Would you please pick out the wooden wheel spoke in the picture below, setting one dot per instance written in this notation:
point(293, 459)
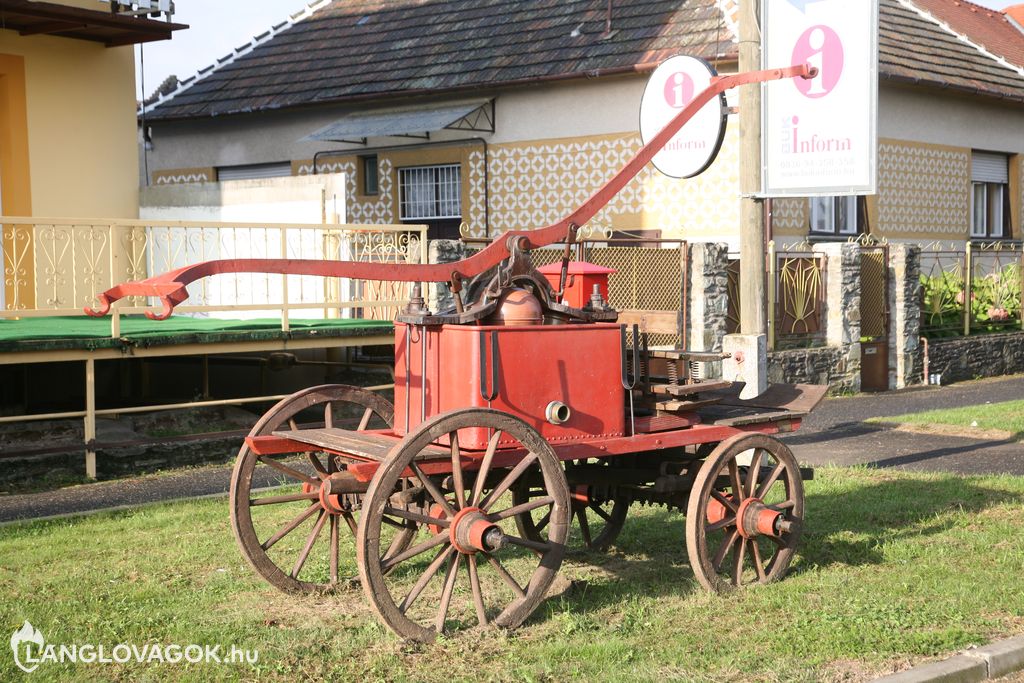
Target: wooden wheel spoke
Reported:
point(328, 415)
point(335, 525)
point(755, 552)
point(317, 465)
point(417, 517)
point(522, 508)
point(755, 468)
point(784, 505)
point(600, 512)
point(734, 479)
point(291, 472)
point(432, 489)
point(425, 578)
point(288, 498)
point(310, 540)
point(737, 565)
point(290, 526)
point(581, 514)
point(505, 576)
point(721, 524)
point(446, 593)
point(509, 479)
point(719, 557)
point(292, 424)
point(478, 596)
point(457, 479)
point(485, 466)
point(527, 543)
point(351, 522)
point(724, 500)
point(762, 490)
point(390, 561)
point(543, 522)
point(364, 421)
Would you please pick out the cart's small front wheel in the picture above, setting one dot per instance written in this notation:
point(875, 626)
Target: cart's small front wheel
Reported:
point(469, 565)
point(745, 512)
point(597, 509)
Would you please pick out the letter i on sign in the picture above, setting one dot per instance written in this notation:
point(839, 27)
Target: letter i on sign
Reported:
point(817, 43)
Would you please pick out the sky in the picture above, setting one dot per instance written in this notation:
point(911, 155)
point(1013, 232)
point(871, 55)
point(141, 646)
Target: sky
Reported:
point(219, 26)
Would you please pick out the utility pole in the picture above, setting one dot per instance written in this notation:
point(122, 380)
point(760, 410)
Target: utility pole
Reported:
point(752, 233)
point(748, 351)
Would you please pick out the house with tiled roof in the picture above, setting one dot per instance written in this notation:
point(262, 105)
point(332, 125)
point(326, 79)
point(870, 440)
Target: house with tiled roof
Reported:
point(502, 114)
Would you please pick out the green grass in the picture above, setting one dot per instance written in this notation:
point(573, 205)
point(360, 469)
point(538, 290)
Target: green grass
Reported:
point(895, 568)
point(1007, 416)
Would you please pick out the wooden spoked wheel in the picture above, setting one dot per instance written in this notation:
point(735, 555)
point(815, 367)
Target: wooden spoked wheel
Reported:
point(745, 513)
point(600, 517)
point(468, 566)
point(288, 536)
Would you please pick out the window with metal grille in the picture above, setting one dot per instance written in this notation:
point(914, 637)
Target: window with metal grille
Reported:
point(990, 195)
point(834, 216)
point(430, 192)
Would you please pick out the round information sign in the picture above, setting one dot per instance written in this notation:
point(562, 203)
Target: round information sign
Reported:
point(672, 86)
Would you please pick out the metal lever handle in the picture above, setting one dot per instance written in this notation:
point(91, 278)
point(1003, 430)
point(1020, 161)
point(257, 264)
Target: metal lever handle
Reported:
point(628, 383)
point(493, 394)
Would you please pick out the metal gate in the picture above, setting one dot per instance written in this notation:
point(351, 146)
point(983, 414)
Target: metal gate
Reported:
point(874, 317)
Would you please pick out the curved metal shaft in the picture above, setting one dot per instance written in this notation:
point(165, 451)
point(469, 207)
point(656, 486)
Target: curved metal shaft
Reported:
point(170, 286)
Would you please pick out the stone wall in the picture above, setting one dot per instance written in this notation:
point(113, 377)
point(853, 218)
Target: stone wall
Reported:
point(983, 355)
point(824, 365)
point(708, 300)
point(439, 296)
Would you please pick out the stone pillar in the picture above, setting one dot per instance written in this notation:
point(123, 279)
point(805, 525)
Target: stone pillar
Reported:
point(438, 296)
point(709, 299)
point(905, 314)
point(842, 312)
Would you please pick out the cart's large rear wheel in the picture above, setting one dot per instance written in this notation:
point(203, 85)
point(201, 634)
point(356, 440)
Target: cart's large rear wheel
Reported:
point(470, 566)
point(289, 536)
point(745, 513)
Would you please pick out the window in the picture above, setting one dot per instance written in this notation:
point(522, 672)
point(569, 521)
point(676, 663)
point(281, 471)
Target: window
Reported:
point(430, 192)
point(990, 195)
point(432, 195)
point(254, 171)
point(369, 174)
point(835, 215)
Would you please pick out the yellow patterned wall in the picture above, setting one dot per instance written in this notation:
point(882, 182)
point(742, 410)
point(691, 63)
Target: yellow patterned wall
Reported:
point(533, 184)
point(185, 175)
point(923, 190)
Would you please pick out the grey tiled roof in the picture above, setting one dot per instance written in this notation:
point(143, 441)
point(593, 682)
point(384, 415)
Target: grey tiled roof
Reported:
point(355, 50)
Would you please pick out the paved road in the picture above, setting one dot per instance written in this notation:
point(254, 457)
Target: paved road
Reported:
point(837, 434)
point(834, 434)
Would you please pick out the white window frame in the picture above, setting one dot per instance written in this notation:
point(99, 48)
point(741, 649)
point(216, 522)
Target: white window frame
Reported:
point(439, 190)
point(834, 215)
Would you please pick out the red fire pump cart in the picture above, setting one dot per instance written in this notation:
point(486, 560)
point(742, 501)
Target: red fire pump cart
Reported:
point(516, 413)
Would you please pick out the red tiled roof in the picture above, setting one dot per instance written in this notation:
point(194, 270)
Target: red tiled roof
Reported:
point(1015, 12)
point(356, 50)
point(916, 50)
point(982, 26)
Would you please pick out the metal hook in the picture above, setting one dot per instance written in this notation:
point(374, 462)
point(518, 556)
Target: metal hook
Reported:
point(493, 393)
point(627, 383)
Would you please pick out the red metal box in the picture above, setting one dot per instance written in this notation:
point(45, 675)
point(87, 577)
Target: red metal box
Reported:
point(578, 365)
point(582, 278)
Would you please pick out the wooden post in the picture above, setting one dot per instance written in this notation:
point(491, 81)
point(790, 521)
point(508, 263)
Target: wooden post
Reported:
point(90, 418)
point(752, 233)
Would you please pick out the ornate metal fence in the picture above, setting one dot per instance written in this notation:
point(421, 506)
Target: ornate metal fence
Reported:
point(57, 266)
point(796, 296)
point(971, 289)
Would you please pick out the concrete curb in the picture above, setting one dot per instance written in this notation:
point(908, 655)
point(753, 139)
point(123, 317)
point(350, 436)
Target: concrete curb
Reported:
point(976, 664)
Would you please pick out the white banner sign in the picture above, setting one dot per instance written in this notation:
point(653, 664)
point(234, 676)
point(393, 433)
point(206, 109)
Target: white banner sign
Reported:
point(820, 135)
point(672, 86)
